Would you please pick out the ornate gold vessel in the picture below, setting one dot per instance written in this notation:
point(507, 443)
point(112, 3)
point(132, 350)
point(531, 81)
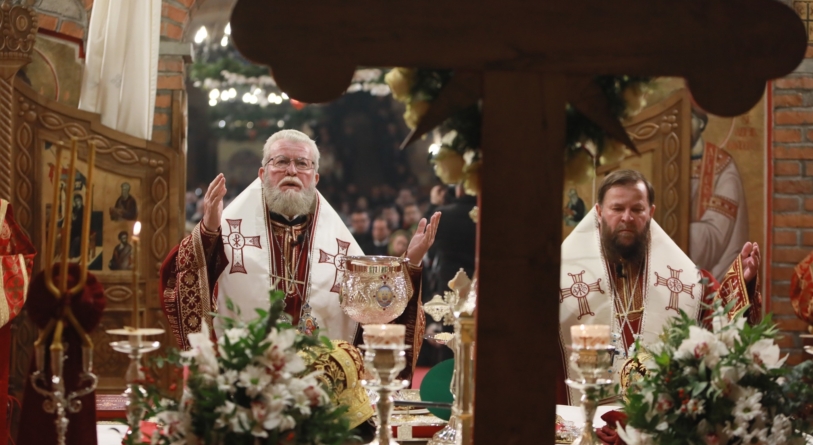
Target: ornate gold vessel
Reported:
point(375, 289)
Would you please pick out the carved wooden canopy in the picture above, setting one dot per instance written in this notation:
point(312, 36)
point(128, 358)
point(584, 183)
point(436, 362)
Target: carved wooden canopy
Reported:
point(314, 47)
point(528, 57)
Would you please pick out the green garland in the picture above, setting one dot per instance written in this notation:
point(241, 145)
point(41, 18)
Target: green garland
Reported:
point(234, 119)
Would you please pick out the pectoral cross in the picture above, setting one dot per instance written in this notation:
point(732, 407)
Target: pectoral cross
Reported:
point(289, 284)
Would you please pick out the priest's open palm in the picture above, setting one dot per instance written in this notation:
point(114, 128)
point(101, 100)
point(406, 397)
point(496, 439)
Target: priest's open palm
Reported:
point(750, 261)
point(422, 239)
point(213, 203)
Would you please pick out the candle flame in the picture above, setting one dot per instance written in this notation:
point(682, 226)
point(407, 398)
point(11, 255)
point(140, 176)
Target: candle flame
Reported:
point(137, 228)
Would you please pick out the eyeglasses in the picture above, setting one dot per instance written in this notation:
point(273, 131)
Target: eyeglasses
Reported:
point(282, 162)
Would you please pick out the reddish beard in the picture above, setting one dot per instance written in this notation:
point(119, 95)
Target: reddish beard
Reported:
point(632, 252)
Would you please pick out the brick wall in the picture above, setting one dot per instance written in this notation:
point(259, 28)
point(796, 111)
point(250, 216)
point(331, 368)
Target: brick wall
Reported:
point(68, 17)
point(171, 69)
point(792, 181)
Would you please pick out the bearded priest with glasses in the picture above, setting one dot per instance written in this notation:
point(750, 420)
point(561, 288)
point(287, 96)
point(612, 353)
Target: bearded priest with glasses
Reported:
point(619, 268)
point(279, 232)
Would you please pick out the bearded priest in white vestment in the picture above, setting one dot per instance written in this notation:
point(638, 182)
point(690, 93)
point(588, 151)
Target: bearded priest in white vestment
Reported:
point(619, 268)
point(279, 232)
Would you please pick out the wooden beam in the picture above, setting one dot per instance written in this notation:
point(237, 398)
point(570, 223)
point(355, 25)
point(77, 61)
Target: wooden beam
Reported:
point(519, 256)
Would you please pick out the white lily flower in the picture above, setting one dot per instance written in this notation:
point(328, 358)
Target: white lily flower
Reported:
point(234, 335)
point(765, 353)
point(701, 345)
point(203, 351)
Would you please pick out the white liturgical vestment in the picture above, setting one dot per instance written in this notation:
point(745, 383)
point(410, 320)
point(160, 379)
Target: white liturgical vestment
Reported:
point(671, 282)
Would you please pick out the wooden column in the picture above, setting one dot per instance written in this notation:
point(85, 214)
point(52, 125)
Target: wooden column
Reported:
point(519, 254)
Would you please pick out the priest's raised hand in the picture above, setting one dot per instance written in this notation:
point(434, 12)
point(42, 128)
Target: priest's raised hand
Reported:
point(213, 203)
point(422, 239)
point(750, 261)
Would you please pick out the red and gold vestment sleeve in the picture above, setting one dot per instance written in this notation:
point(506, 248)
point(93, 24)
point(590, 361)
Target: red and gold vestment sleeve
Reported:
point(186, 284)
point(16, 264)
point(801, 289)
point(733, 288)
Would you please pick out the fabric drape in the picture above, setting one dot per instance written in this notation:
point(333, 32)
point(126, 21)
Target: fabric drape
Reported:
point(121, 67)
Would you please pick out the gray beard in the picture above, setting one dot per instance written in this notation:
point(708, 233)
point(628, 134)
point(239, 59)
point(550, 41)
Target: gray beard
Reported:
point(289, 203)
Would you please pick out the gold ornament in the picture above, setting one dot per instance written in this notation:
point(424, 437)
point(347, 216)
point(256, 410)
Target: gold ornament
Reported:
point(414, 112)
point(449, 166)
point(471, 175)
point(634, 370)
point(400, 81)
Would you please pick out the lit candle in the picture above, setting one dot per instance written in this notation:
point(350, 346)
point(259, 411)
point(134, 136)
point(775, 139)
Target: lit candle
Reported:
point(590, 336)
point(136, 232)
point(384, 334)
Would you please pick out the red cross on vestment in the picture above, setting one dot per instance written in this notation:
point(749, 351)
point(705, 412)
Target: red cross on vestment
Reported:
point(675, 286)
point(580, 290)
point(237, 241)
point(338, 261)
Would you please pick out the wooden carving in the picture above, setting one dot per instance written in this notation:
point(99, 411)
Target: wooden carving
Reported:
point(156, 171)
point(528, 53)
point(19, 28)
point(314, 48)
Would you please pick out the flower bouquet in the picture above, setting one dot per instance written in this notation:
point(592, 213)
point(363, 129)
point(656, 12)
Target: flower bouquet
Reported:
point(726, 385)
point(251, 387)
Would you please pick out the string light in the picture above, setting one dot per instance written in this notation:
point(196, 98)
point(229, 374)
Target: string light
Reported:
point(434, 149)
point(201, 35)
point(227, 29)
point(224, 41)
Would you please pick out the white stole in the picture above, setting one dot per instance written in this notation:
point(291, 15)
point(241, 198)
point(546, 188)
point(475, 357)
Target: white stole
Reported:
point(331, 242)
point(586, 294)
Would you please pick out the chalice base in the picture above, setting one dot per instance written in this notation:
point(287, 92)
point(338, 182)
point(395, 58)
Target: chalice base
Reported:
point(448, 435)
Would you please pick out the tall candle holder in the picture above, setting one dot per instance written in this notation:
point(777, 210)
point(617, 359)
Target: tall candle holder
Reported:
point(56, 399)
point(457, 307)
point(590, 359)
point(135, 347)
point(385, 361)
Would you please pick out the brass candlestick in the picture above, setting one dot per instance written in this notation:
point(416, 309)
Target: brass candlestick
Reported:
point(57, 401)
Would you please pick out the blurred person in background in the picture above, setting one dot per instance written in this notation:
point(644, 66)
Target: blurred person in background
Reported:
point(360, 228)
point(392, 217)
point(399, 240)
point(381, 237)
point(412, 215)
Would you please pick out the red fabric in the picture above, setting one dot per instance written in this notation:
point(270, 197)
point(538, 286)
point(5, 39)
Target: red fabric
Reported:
point(87, 306)
point(13, 242)
point(5, 351)
point(608, 433)
point(801, 289)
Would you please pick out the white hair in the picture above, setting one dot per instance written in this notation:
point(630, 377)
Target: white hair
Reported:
point(293, 136)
